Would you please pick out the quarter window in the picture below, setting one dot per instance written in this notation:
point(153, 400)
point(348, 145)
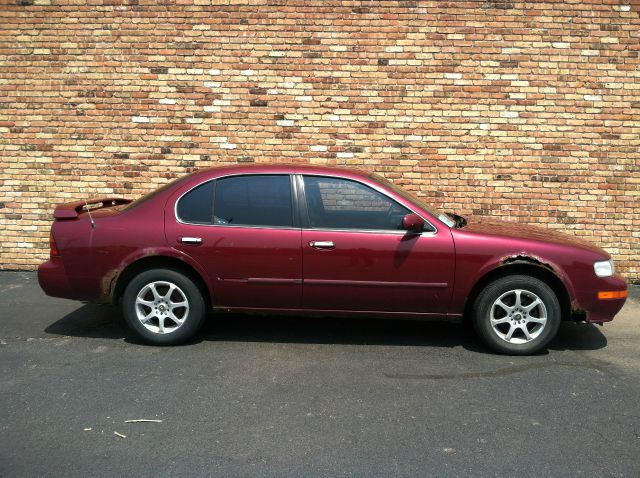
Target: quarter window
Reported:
point(195, 207)
point(335, 203)
point(255, 200)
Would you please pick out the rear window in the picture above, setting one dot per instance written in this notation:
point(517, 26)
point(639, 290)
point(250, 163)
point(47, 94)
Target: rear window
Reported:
point(161, 189)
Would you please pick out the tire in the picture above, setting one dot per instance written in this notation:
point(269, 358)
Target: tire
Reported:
point(517, 315)
point(154, 316)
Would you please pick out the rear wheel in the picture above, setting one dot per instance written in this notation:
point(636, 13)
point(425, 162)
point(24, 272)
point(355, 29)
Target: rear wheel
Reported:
point(163, 307)
point(517, 315)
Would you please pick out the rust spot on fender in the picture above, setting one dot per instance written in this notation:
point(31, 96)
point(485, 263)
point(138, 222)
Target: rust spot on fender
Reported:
point(109, 280)
point(524, 257)
point(107, 285)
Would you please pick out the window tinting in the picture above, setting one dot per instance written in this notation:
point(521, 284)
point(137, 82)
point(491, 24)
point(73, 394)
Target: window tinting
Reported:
point(335, 203)
point(255, 200)
point(195, 206)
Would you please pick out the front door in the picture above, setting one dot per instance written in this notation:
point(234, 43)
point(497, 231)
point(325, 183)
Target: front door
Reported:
point(241, 230)
point(356, 258)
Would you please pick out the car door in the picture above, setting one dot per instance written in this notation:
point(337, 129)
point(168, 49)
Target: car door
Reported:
point(356, 257)
point(242, 231)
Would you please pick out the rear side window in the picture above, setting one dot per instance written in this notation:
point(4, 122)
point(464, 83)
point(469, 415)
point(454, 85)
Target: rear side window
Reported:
point(255, 200)
point(196, 206)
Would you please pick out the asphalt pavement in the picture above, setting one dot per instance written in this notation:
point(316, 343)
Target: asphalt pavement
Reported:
point(301, 397)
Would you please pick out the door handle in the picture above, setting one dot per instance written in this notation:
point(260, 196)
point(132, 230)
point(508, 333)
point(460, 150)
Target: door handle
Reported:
point(191, 240)
point(322, 244)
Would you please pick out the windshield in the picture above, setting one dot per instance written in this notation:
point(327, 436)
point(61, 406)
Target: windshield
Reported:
point(152, 194)
point(416, 200)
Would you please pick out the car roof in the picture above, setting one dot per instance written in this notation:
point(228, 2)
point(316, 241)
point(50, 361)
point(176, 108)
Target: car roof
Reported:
point(282, 168)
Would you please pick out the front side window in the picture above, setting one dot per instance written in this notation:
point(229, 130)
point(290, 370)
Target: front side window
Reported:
point(335, 203)
point(254, 200)
point(195, 207)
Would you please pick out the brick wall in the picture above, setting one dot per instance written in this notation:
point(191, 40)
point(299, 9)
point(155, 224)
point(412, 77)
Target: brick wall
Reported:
point(528, 111)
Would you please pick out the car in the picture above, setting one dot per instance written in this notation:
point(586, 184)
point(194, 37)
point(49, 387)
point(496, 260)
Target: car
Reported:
point(303, 239)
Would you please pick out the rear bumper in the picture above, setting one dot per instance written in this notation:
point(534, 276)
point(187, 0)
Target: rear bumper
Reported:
point(53, 279)
point(602, 310)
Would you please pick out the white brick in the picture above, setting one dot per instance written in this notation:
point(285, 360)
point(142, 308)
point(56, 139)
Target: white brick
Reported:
point(218, 139)
point(214, 71)
point(318, 147)
point(560, 44)
point(625, 8)
point(593, 98)
point(228, 146)
point(509, 114)
point(304, 98)
point(167, 101)
point(590, 53)
point(248, 72)
point(344, 155)
point(212, 109)
point(277, 54)
point(394, 49)
point(453, 76)
point(140, 119)
point(338, 48)
point(285, 122)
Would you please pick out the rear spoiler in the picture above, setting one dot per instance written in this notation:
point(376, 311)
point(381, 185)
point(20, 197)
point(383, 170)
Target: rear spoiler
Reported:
point(71, 210)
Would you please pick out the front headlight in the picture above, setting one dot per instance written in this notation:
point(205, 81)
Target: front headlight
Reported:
point(604, 268)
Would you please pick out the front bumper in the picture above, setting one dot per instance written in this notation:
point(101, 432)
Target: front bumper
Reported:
point(602, 310)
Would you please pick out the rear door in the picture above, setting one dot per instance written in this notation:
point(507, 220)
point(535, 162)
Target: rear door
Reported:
point(242, 230)
point(356, 257)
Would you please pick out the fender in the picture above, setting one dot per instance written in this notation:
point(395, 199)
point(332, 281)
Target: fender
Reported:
point(494, 263)
point(110, 279)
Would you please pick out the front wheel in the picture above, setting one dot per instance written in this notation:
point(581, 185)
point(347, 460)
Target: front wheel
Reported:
point(517, 315)
point(163, 307)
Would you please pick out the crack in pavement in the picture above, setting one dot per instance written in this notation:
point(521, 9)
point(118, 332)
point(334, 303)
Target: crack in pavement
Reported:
point(491, 373)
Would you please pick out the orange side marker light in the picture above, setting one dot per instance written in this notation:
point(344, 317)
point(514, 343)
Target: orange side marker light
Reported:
point(612, 294)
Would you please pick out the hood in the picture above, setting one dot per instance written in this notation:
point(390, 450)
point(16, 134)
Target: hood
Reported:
point(496, 227)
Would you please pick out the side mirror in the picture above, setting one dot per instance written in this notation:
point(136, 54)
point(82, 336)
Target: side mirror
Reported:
point(413, 223)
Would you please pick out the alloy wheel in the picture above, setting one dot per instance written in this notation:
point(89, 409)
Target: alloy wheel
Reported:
point(161, 307)
point(518, 316)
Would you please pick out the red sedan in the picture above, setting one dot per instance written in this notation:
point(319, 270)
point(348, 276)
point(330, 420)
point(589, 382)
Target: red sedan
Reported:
point(327, 241)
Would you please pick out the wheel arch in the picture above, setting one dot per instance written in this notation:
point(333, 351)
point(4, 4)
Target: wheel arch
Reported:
point(522, 266)
point(158, 262)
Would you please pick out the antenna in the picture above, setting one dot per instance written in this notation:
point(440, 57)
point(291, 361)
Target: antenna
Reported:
point(86, 205)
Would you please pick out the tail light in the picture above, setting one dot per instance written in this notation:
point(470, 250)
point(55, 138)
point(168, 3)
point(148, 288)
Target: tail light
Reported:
point(53, 248)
